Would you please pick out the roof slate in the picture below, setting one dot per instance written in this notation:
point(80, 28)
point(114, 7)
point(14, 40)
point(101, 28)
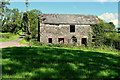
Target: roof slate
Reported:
point(69, 19)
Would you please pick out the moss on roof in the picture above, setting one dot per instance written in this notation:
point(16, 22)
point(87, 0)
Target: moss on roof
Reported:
point(69, 19)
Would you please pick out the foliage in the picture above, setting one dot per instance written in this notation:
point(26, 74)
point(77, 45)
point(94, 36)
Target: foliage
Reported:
point(60, 45)
point(36, 43)
point(3, 6)
point(25, 22)
point(59, 63)
point(89, 38)
point(99, 30)
point(33, 19)
point(112, 39)
point(109, 26)
point(27, 38)
point(118, 29)
point(104, 35)
point(33, 16)
point(12, 21)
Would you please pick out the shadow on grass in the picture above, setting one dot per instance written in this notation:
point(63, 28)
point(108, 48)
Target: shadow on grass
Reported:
point(55, 63)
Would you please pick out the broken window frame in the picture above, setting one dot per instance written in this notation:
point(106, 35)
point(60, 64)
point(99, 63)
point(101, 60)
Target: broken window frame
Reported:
point(70, 28)
point(59, 41)
point(49, 40)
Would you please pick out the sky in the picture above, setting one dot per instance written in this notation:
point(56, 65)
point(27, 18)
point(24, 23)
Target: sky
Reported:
point(107, 11)
point(65, 0)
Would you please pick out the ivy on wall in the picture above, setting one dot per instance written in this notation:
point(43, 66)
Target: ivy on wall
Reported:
point(90, 38)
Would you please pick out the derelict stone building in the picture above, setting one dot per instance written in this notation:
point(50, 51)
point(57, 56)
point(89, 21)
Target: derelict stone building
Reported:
point(65, 28)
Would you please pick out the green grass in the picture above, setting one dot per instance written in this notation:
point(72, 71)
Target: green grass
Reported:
point(59, 63)
point(107, 49)
point(23, 41)
point(9, 36)
point(3, 33)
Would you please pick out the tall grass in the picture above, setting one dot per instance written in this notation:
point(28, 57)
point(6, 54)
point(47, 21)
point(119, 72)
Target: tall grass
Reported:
point(104, 48)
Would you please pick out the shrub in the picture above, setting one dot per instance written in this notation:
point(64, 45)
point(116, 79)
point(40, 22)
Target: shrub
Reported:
point(59, 45)
point(7, 35)
point(50, 45)
point(83, 46)
point(36, 43)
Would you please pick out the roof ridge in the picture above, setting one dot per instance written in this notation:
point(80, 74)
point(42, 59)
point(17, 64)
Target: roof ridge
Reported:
point(69, 19)
point(69, 14)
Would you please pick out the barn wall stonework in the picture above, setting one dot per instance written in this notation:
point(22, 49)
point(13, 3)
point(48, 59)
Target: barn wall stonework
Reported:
point(63, 31)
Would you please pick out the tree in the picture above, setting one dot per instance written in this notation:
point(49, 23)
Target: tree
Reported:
point(33, 19)
point(16, 20)
point(28, 23)
point(118, 29)
point(25, 22)
point(12, 21)
point(98, 32)
point(3, 6)
point(30, 19)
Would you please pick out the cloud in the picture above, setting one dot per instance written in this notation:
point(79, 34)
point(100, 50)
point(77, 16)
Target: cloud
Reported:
point(115, 21)
point(102, 0)
point(110, 17)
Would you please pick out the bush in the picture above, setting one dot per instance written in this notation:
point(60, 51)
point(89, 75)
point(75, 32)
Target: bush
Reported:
point(7, 35)
point(50, 45)
point(83, 46)
point(36, 43)
point(19, 32)
point(59, 45)
point(112, 39)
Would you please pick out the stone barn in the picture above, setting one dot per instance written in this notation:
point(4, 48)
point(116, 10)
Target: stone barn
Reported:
point(65, 28)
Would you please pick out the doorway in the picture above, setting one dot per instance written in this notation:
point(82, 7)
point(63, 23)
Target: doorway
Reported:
point(84, 41)
point(49, 40)
point(74, 39)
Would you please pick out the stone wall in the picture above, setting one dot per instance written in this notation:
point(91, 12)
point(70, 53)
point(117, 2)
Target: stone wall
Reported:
point(63, 31)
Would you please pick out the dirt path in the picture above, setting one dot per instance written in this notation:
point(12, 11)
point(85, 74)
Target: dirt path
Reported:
point(13, 43)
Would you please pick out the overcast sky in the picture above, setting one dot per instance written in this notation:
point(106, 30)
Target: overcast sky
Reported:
point(105, 10)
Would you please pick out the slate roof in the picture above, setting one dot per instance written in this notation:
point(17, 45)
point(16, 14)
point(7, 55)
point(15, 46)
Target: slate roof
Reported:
point(68, 19)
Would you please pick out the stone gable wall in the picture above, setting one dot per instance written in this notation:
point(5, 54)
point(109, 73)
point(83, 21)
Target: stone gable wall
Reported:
point(63, 31)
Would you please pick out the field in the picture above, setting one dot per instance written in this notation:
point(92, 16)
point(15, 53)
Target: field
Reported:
point(9, 36)
point(59, 63)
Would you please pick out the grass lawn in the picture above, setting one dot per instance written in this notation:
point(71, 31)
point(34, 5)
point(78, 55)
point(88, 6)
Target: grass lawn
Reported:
point(59, 63)
point(9, 36)
point(23, 41)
